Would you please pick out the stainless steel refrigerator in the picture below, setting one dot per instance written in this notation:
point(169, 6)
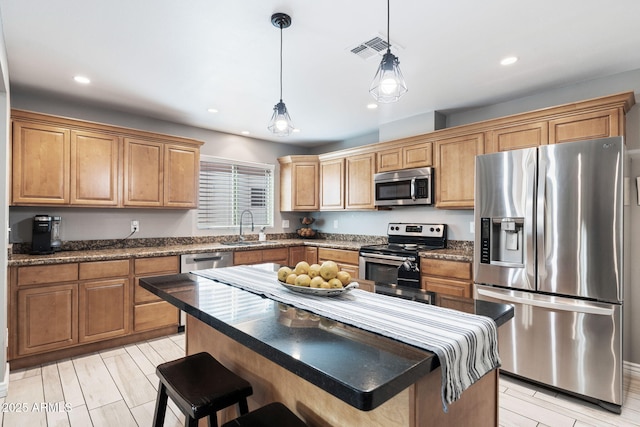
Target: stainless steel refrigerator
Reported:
point(550, 239)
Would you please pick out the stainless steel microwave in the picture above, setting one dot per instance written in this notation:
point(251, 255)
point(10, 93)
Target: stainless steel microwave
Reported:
point(404, 187)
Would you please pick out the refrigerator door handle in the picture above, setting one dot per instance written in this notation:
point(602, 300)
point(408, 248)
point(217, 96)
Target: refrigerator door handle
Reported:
point(529, 225)
point(544, 302)
point(540, 223)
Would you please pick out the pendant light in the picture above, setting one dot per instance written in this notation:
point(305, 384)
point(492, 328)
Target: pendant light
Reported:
point(280, 124)
point(388, 85)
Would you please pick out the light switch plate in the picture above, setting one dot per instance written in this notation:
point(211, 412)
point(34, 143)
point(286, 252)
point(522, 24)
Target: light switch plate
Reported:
point(472, 227)
point(285, 223)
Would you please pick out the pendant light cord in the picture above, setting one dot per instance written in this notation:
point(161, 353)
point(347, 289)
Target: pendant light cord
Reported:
point(281, 61)
point(388, 20)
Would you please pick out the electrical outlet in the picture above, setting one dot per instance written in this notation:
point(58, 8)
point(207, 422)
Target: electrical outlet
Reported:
point(472, 227)
point(285, 223)
point(335, 223)
point(135, 226)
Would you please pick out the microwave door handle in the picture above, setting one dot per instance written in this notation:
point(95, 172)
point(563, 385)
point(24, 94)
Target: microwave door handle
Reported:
point(413, 188)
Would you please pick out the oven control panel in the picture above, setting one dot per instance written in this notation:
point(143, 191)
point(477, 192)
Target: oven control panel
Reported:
point(416, 230)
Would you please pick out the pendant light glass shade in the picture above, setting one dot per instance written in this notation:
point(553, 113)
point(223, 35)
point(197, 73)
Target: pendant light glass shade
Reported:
point(388, 85)
point(280, 124)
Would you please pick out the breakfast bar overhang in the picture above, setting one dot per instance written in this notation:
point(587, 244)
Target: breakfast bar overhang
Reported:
point(329, 373)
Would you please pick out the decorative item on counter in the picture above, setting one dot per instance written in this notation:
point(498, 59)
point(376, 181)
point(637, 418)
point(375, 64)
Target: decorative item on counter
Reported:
point(306, 232)
point(262, 236)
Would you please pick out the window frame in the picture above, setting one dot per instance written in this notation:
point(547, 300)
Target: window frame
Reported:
point(265, 192)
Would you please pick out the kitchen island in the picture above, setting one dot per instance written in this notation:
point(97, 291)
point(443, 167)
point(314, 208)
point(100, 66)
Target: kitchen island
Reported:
point(327, 372)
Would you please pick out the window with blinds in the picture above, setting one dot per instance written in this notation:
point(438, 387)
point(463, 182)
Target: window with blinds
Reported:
point(229, 187)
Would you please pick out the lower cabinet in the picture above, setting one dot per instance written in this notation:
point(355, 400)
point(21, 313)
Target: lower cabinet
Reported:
point(104, 309)
point(56, 308)
point(446, 277)
point(47, 318)
point(347, 260)
point(275, 255)
point(149, 311)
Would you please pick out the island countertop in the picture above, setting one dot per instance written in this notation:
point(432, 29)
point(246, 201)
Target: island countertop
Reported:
point(360, 368)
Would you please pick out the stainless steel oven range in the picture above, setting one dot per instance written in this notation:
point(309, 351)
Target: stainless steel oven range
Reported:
point(397, 263)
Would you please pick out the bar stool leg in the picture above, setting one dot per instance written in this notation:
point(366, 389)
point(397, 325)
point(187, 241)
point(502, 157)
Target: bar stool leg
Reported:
point(243, 407)
point(161, 406)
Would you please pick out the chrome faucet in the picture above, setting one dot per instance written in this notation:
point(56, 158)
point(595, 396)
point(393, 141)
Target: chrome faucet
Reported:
point(241, 237)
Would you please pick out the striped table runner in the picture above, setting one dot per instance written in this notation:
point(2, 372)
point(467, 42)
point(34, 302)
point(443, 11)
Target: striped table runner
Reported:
point(466, 344)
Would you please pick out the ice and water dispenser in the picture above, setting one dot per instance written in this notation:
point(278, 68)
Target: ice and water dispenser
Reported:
point(502, 241)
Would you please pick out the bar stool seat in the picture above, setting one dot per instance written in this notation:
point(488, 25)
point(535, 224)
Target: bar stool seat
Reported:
point(200, 386)
point(271, 415)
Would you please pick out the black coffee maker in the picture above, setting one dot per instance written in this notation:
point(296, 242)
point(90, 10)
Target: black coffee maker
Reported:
point(41, 240)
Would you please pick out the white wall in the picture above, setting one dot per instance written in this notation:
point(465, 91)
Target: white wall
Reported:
point(4, 211)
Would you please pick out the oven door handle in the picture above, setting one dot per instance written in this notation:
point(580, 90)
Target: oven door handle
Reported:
point(398, 259)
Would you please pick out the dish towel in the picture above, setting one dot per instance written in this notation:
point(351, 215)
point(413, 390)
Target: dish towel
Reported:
point(466, 344)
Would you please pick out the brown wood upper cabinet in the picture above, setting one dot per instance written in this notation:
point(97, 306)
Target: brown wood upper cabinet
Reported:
point(59, 161)
point(299, 183)
point(359, 188)
point(517, 137)
point(455, 168)
point(41, 163)
point(409, 155)
point(332, 184)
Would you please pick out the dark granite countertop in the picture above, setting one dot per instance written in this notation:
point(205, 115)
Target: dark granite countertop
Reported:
point(454, 252)
point(359, 367)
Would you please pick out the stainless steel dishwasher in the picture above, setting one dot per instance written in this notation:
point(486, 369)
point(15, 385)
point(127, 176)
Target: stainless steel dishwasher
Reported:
point(203, 261)
point(194, 262)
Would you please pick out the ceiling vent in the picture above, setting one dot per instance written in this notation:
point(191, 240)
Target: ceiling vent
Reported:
point(375, 46)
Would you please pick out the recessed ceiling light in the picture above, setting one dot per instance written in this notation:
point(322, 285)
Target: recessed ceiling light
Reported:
point(212, 110)
point(82, 80)
point(509, 60)
point(372, 106)
point(245, 132)
point(296, 130)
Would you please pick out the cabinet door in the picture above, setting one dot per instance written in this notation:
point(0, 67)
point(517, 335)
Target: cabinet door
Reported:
point(94, 169)
point(447, 287)
point(599, 124)
point(516, 137)
point(297, 254)
point(305, 186)
point(47, 318)
point(359, 172)
point(332, 184)
point(389, 160)
point(103, 309)
point(311, 254)
point(143, 177)
point(455, 170)
point(181, 176)
point(40, 164)
point(417, 155)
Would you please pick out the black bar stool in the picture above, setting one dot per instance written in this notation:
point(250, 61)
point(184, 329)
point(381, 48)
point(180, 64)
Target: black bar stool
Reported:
point(271, 415)
point(200, 386)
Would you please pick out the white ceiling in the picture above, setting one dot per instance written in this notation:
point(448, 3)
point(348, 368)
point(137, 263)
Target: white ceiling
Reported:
point(173, 59)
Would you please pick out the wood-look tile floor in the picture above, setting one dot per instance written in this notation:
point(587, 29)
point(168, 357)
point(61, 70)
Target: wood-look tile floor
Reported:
point(118, 388)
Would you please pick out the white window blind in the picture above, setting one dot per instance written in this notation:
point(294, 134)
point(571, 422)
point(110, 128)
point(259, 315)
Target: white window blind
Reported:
point(228, 187)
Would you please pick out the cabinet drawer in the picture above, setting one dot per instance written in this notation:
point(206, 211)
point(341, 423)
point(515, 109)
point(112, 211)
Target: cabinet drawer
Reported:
point(278, 255)
point(444, 268)
point(154, 315)
point(41, 274)
point(247, 257)
point(103, 269)
point(162, 264)
point(447, 287)
point(338, 255)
